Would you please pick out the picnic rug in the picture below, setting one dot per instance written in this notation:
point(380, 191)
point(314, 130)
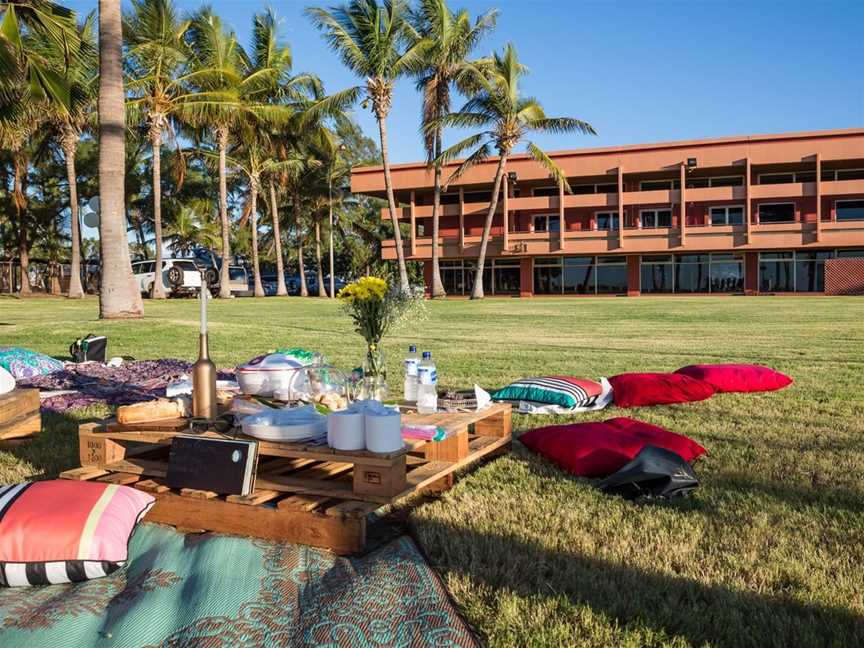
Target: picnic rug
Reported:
point(220, 591)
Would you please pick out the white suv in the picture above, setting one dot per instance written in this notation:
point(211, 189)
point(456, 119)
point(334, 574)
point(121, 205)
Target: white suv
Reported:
point(179, 276)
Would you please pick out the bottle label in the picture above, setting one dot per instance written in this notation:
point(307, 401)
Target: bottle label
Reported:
point(411, 366)
point(427, 376)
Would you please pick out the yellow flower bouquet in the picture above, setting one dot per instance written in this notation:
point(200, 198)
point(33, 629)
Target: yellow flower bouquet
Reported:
point(376, 309)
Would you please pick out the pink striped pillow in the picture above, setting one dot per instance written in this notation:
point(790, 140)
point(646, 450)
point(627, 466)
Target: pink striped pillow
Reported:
point(64, 531)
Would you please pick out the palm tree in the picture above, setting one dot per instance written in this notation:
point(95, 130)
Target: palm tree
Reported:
point(81, 76)
point(26, 26)
point(118, 295)
point(377, 43)
point(505, 117)
point(15, 132)
point(451, 38)
point(156, 59)
point(217, 49)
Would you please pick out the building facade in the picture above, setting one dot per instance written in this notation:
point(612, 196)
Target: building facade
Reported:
point(754, 214)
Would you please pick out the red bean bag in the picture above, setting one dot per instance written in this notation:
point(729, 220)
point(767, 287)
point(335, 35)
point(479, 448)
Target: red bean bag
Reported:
point(598, 449)
point(641, 389)
point(737, 377)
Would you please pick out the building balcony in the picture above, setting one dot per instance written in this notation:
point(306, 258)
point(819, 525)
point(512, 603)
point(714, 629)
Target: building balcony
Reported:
point(644, 241)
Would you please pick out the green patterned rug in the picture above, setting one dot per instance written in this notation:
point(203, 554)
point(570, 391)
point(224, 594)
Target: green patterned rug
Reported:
point(223, 591)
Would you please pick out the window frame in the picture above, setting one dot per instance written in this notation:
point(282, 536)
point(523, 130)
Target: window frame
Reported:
point(672, 184)
point(655, 211)
point(759, 207)
point(837, 208)
point(794, 175)
point(614, 216)
point(726, 209)
point(548, 218)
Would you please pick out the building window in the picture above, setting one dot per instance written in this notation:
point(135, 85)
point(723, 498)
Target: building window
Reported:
point(452, 277)
point(547, 222)
point(727, 181)
point(847, 210)
point(653, 185)
point(548, 276)
point(506, 276)
point(478, 196)
point(733, 215)
point(776, 178)
point(777, 213)
point(850, 174)
point(657, 273)
point(579, 276)
point(726, 272)
point(777, 272)
point(611, 275)
point(850, 254)
point(653, 218)
point(607, 220)
point(691, 273)
point(545, 191)
point(810, 270)
point(606, 188)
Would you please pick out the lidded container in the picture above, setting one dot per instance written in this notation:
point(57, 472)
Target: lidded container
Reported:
point(324, 384)
point(267, 374)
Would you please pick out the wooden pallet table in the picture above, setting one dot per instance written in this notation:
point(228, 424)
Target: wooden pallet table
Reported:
point(19, 414)
point(303, 493)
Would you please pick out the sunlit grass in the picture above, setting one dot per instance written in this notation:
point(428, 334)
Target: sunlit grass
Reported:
point(770, 549)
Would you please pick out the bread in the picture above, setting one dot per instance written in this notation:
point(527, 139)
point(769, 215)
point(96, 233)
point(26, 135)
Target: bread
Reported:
point(152, 411)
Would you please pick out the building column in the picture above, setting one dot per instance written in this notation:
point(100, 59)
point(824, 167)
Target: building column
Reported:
point(683, 200)
point(818, 197)
point(751, 273)
point(562, 226)
point(461, 218)
point(526, 277)
point(620, 206)
point(427, 278)
point(748, 194)
point(634, 276)
point(413, 226)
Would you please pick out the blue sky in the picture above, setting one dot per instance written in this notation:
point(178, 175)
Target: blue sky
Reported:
point(638, 71)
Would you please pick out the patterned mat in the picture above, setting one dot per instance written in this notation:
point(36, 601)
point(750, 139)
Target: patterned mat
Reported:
point(222, 591)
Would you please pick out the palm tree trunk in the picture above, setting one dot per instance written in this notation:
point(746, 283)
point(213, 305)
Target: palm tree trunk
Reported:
point(437, 285)
point(69, 145)
point(224, 272)
point(477, 292)
point(118, 295)
point(391, 202)
point(20, 200)
point(281, 290)
point(253, 219)
point(158, 290)
point(322, 291)
point(304, 289)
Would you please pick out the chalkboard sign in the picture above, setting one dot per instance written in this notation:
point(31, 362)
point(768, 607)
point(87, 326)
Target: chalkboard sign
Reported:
point(225, 466)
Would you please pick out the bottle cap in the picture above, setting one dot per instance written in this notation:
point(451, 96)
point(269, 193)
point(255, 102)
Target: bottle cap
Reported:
point(427, 355)
point(412, 349)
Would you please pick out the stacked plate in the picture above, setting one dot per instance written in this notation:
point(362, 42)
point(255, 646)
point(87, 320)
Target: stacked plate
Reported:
point(296, 425)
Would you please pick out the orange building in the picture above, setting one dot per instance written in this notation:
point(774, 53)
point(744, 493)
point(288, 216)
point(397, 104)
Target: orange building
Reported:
point(761, 214)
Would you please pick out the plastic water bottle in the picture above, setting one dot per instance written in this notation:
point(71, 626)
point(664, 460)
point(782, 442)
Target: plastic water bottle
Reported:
point(412, 362)
point(427, 385)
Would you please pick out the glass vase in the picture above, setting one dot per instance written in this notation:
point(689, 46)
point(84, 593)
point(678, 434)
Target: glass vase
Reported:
point(374, 373)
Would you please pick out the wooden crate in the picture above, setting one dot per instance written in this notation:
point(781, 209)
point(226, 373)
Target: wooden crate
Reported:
point(19, 414)
point(303, 493)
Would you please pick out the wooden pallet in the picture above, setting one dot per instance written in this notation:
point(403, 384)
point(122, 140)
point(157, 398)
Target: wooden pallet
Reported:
point(19, 414)
point(306, 494)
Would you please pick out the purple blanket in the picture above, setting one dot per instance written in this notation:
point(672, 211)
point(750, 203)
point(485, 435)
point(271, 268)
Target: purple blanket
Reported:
point(94, 383)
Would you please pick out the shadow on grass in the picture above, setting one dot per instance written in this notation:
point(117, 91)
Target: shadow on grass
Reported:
point(657, 606)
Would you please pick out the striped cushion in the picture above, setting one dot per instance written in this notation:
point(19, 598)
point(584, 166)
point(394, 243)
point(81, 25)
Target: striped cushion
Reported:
point(564, 391)
point(65, 531)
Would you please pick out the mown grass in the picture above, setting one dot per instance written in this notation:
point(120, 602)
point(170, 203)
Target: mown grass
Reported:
point(768, 552)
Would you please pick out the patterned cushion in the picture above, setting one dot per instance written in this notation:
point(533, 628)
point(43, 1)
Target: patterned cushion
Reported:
point(24, 363)
point(564, 391)
point(64, 531)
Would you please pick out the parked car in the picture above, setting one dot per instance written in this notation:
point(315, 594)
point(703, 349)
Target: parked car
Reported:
point(238, 280)
point(181, 277)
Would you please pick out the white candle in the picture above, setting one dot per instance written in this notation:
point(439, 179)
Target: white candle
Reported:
point(203, 299)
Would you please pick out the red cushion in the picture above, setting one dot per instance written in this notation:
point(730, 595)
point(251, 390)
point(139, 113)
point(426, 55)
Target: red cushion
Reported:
point(737, 377)
point(640, 389)
point(598, 449)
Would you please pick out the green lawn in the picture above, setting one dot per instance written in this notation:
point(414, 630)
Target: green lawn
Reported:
point(769, 551)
